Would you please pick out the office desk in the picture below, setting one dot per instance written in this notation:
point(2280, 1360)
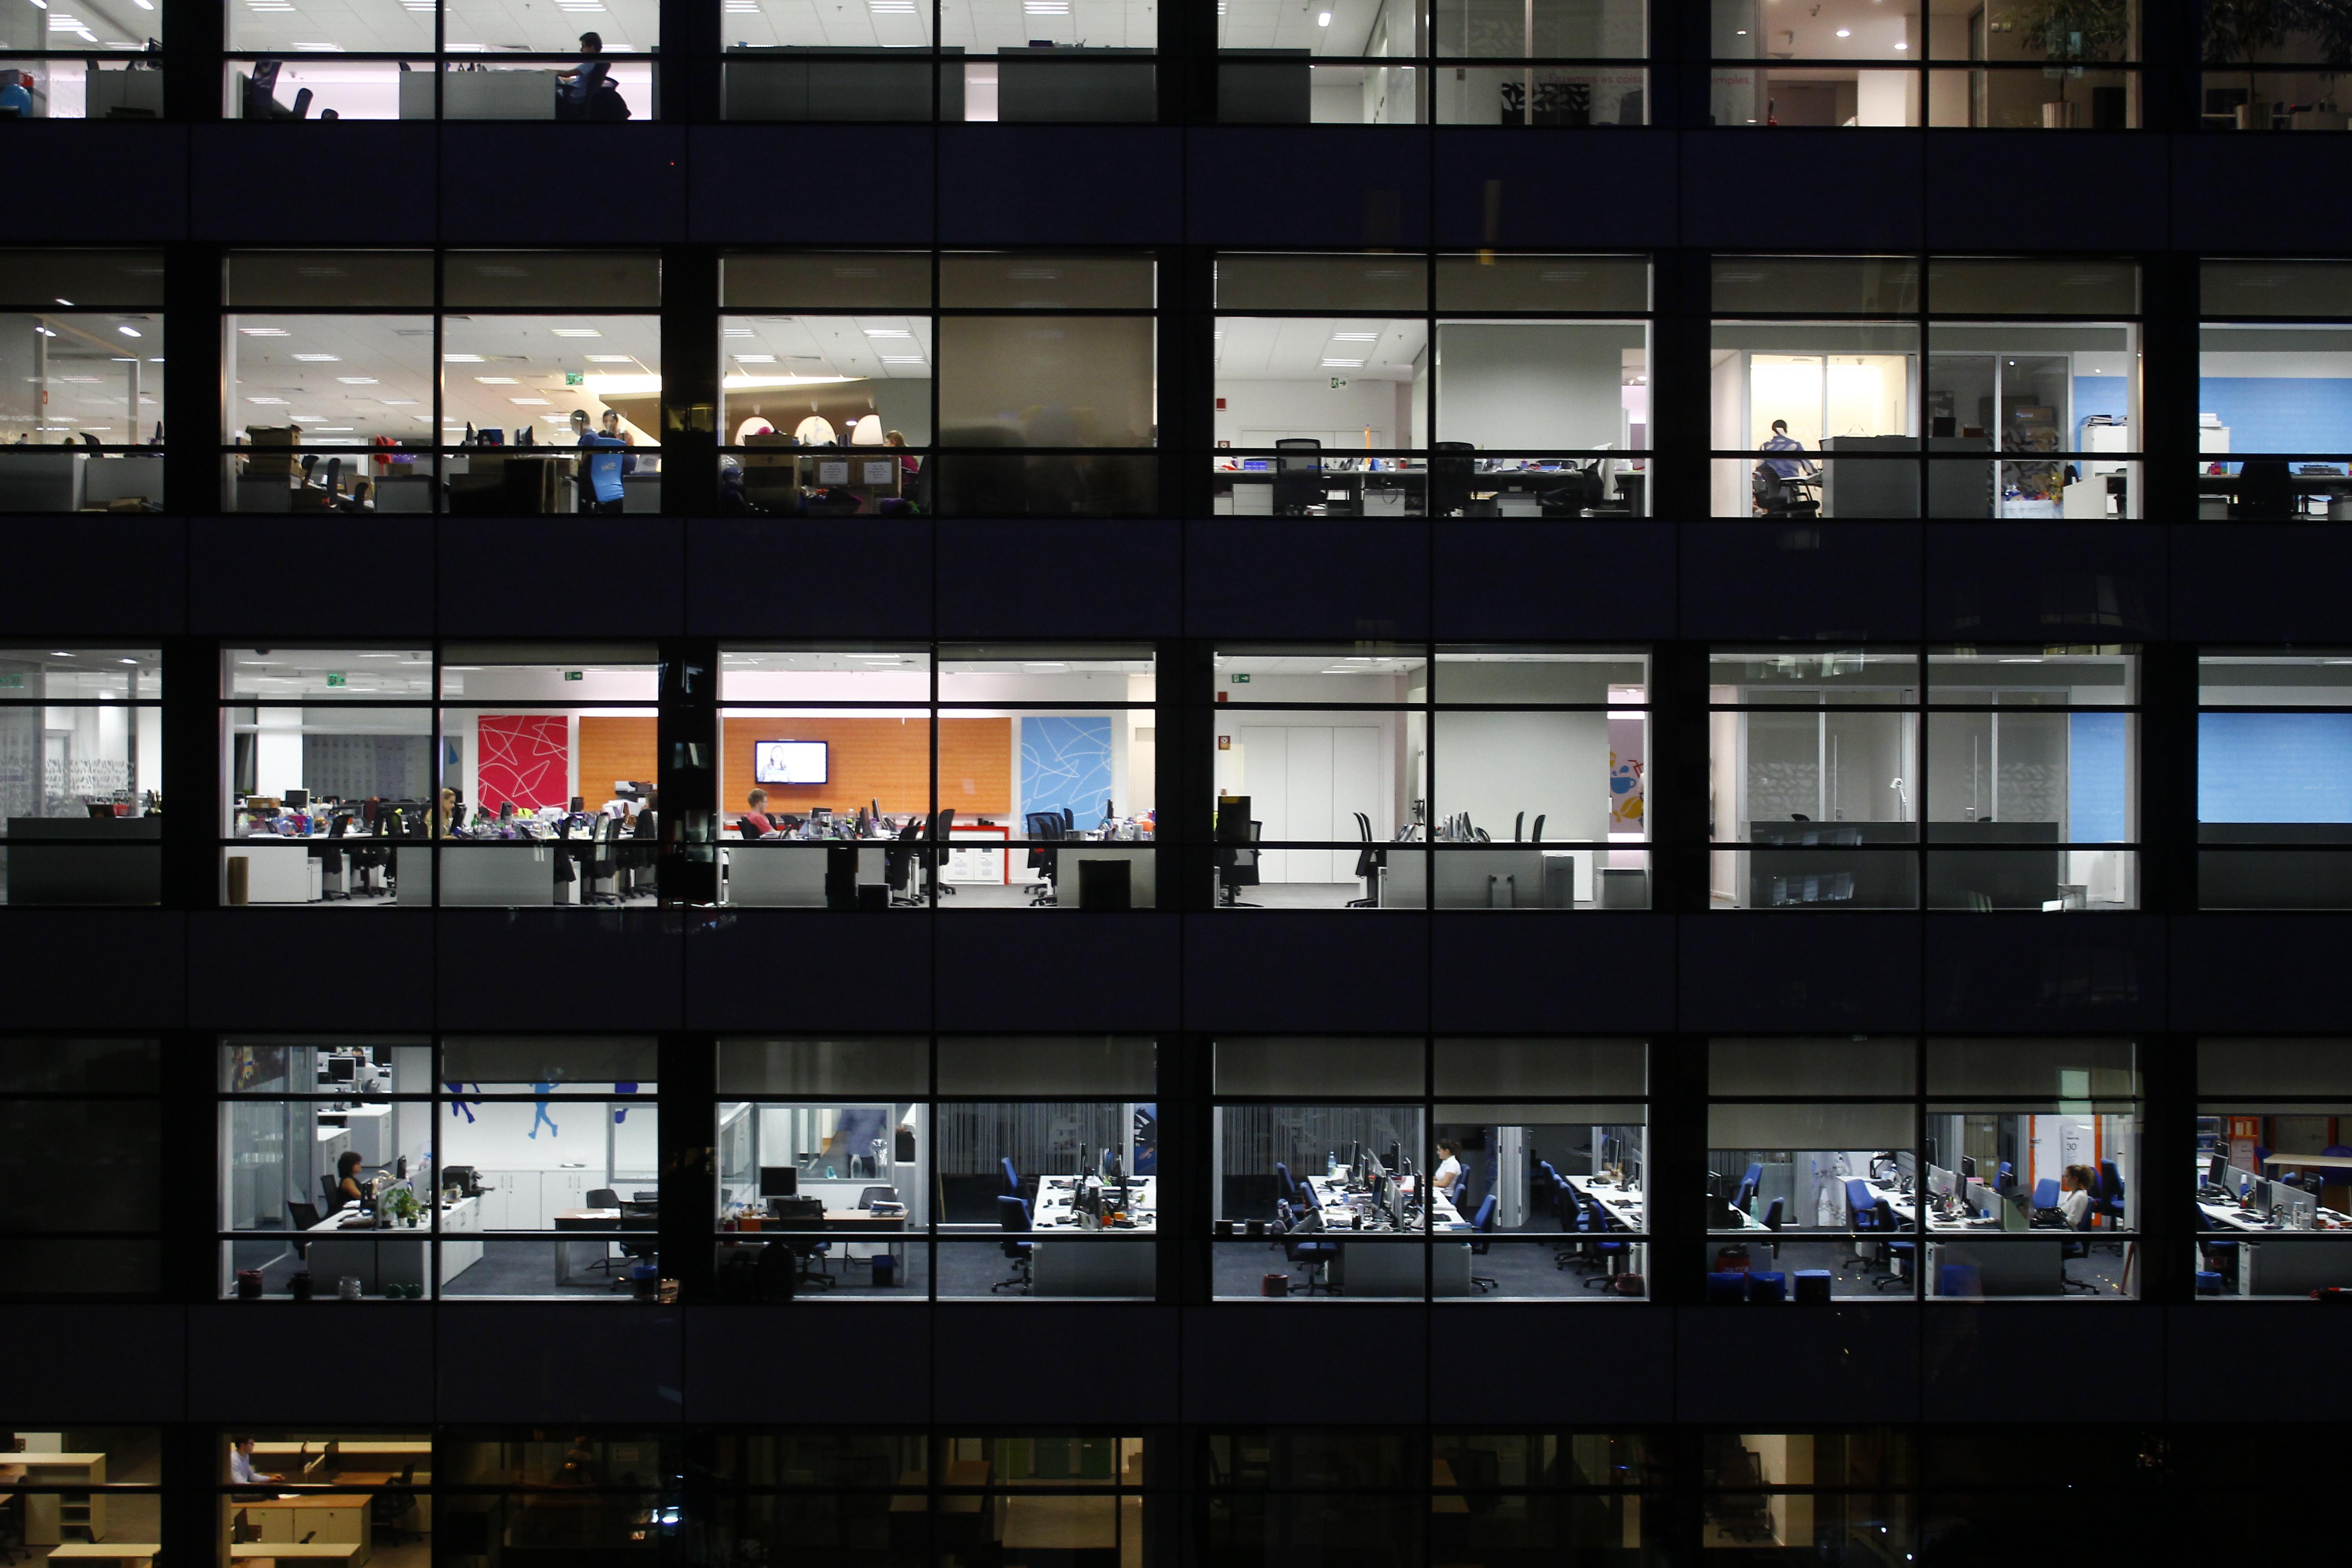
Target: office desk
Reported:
point(1623, 1206)
point(303, 1552)
point(586, 1254)
point(1375, 1263)
point(338, 1245)
point(791, 873)
point(339, 1520)
point(1091, 1262)
point(499, 874)
point(281, 870)
point(479, 95)
point(122, 1554)
point(1070, 1522)
point(48, 1514)
point(891, 1230)
point(1056, 1204)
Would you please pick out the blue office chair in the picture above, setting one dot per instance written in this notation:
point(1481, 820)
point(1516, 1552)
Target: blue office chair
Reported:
point(1012, 1215)
point(2045, 1194)
point(1606, 1255)
point(2006, 1175)
point(1902, 1256)
point(1747, 1184)
point(1288, 1193)
point(1862, 1221)
point(2067, 1249)
point(1012, 1177)
point(1315, 1254)
point(1483, 1224)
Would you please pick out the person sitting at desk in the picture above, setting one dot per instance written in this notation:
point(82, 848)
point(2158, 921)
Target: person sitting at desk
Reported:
point(2074, 1184)
point(347, 1179)
point(1449, 1165)
point(240, 1460)
point(755, 819)
point(1774, 492)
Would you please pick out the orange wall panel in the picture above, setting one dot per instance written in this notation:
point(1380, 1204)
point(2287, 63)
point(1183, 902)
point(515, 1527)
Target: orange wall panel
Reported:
point(614, 748)
point(887, 760)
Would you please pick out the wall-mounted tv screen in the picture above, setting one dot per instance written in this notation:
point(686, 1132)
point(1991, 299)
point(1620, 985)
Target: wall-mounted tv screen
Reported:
point(788, 761)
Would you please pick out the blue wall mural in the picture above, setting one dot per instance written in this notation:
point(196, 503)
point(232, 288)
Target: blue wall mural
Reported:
point(2274, 767)
point(1066, 761)
point(2097, 767)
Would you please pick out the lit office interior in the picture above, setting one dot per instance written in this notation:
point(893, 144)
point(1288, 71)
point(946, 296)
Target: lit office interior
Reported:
point(2272, 69)
point(367, 1492)
point(81, 373)
point(1362, 62)
point(97, 61)
point(557, 1495)
point(903, 1499)
point(334, 404)
point(327, 1145)
point(1827, 1175)
point(967, 776)
point(91, 1492)
point(2029, 794)
point(1454, 385)
point(81, 775)
point(1863, 63)
point(1383, 1496)
point(1058, 61)
point(1827, 413)
point(458, 59)
point(2273, 1172)
point(1037, 371)
point(531, 783)
point(2274, 391)
point(2273, 801)
point(93, 1106)
point(1366, 1170)
point(1349, 779)
point(874, 1169)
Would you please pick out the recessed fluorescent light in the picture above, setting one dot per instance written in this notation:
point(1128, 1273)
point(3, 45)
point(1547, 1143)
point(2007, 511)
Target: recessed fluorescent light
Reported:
point(356, 379)
point(268, 402)
point(498, 381)
point(735, 332)
point(335, 429)
point(528, 402)
point(454, 359)
point(755, 359)
point(397, 402)
point(1902, 46)
point(1355, 337)
point(887, 332)
point(609, 359)
point(573, 332)
point(1046, 8)
point(902, 359)
point(1323, 20)
point(263, 332)
point(1846, 32)
point(318, 359)
point(1343, 364)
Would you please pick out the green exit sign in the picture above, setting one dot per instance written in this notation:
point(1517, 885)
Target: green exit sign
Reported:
point(334, 677)
point(575, 675)
point(14, 680)
point(575, 378)
point(1240, 681)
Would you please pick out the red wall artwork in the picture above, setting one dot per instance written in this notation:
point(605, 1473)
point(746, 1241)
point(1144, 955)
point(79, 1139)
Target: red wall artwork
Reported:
point(525, 758)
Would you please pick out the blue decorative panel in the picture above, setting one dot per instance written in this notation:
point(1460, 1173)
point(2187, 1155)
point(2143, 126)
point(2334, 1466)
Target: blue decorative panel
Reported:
point(2098, 765)
point(2274, 767)
point(1066, 761)
point(2280, 413)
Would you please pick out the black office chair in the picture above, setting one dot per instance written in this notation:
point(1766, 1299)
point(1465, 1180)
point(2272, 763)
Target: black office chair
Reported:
point(935, 854)
point(1450, 466)
point(1369, 861)
point(603, 864)
point(327, 1190)
point(1044, 829)
point(1297, 476)
point(261, 95)
point(1518, 827)
point(304, 1217)
point(391, 1510)
point(2266, 492)
point(1537, 836)
point(1237, 867)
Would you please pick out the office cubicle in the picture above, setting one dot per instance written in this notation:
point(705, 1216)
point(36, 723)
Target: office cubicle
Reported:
point(1407, 385)
point(458, 59)
point(63, 1488)
point(2029, 794)
point(1553, 63)
point(367, 1491)
point(1335, 789)
point(487, 1167)
point(81, 775)
point(2274, 1169)
point(2273, 817)
point(1856, 63)
point(888, 1168)
point(2275, 421)
point(81, 342)
point(83, 1118)
point(1015, 775)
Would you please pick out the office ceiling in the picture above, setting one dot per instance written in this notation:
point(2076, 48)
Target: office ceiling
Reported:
point(763, 350)
point(302, 27)
point(1293, 25)
point(107, 24)
point(89, 358)
point(282, 672)
point(1259, 348)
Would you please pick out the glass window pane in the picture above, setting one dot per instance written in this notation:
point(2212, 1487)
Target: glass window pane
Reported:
point(2044, 1070)
point(1285, 282)
point(835, 281)
point(89, 280)
point(1322, 1067)
point(331, 280)
point(1541, 385)
point(1561, 1067)
point(508, 1063)
point(1791, 285)
point(824, 382)
point(1028, 281)
point(321, 383)
point(1044, 381)
point(1082, 1064)
point(1782, 1068)
point(1617, 284)
point(557, 279)
point(2256, 1067)
point(2274, 680)
point(2008, 286)
point(94, 375)
point(326, 675)
point(2276, 288)
point(860, 1065)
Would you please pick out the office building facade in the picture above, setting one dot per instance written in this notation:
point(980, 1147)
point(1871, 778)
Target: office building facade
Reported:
point(1424, 784)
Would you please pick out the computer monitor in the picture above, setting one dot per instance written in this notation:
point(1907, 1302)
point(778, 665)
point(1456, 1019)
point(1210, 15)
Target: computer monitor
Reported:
point(780, 1181)
point(2263, 1194)
point(295, 799)
point(2215, 1169)
point(1967, 1164)
point(506, 811)
point(343, 1069)
point(1907, 1165)
point(1394, 1156)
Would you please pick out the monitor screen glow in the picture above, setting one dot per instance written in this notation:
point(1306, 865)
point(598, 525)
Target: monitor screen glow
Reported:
point(788, 761)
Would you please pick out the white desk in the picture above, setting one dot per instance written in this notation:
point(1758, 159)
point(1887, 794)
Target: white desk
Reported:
point(1625, 1205)
point(280, 871)
point(122, 1554)
point(390, 1256)
point(1073, 1257)
point(1376, 1262)
point(1057, 1203)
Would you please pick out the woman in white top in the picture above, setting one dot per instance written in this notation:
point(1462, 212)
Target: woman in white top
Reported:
point(1449, 1166)
point(2074, 1184)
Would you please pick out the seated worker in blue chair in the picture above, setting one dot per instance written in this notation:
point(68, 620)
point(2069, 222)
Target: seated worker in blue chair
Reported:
point(600, 479)
point(585, 91)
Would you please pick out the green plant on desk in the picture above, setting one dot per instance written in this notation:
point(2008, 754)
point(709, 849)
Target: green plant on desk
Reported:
point(401, 1205)
point(2076, 31)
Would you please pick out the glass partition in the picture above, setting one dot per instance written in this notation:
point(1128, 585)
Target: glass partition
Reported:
point(82, 363)
point(2272, 812)
point(2273, 440)
point(81, 775)
point(2274, 1175)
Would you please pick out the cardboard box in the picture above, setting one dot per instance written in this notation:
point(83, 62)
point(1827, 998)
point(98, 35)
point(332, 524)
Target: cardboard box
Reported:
point(268, 463)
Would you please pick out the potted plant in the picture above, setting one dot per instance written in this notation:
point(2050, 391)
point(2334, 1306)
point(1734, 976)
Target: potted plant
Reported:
point(2235, 31)
point(401, 1205)
point(2074, 32)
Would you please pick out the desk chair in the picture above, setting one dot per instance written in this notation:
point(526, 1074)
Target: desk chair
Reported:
point(1745, 1191)
point(1369, 861)
point(261, 95)
point(391, 1512)
point(1450, 464)
point(332, 883)
point(604, 1199)
point(1603, 1254)
point(1483, 1224)
point(2266, 492)
point(2108, 1203)
point(304, 1217)
point(603, 865)
point(1297, 476)
point(1902, 1256)
point(334, 1199)
point(1012, 1177)
point(1317, 1255)
point(935, 854)
point(1013, 1216)
point(899, 866)
point(1045, 828)
point(1291, 1191)
point(1862, 1223)
point(1237, 867)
